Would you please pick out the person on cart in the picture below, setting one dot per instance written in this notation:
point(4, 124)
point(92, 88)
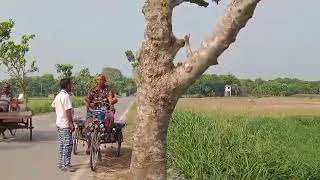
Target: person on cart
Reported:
point(7, 103)
point(5, 98)
point(101, 91)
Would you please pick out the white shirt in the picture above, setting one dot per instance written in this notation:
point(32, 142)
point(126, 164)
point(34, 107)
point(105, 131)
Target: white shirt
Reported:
point(61, 103)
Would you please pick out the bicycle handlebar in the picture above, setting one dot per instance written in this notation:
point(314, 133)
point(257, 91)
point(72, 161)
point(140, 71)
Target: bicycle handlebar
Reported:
point(97, 110)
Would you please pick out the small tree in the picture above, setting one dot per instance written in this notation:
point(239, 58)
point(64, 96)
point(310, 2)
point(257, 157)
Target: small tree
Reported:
point(83, 82)
point(65, 70)
point(13, 58)
point(112, 74)
point(5, 30)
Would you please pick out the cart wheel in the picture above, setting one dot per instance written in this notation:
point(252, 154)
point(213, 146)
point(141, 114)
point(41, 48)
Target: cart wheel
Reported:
point(119, 139)
point(13, 132)
point(94, 150)
point(31, 133)
point(76, 141)
point(99, 156)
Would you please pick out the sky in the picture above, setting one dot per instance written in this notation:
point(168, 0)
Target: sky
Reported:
point(281, 40)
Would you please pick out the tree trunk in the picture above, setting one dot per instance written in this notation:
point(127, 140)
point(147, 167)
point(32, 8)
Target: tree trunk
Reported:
point(24, 91)
point(150, 140)
point(156, 92)
point(160, 83)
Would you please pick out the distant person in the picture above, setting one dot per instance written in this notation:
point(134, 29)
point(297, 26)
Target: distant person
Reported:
point(65, 125)
point(5, 100)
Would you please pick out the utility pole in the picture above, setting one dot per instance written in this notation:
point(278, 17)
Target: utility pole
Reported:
point(41, 88)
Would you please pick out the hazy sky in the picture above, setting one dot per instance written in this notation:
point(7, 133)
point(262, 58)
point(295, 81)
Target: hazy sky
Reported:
point(281, 40)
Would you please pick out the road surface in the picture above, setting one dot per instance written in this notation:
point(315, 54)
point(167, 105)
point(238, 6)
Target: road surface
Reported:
point(21, 159)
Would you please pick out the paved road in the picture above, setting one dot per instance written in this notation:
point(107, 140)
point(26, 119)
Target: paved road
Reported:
point(21, 159)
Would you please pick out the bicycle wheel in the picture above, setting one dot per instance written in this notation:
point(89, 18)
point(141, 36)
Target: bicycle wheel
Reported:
point(94, 150)
point(119, 139)
point(76, 141)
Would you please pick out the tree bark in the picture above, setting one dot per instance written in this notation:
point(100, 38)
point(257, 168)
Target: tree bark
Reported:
point(150, 140)
point(161, 83)
point(155, 93)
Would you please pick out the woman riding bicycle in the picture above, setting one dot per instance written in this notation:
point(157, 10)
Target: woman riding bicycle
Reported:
point(102, 92)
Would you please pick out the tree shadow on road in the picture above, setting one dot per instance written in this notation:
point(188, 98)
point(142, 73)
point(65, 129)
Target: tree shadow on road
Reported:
point(112, 166)
point(37, 136)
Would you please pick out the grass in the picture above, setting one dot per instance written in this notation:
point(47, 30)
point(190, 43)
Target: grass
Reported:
point(130, 127)
point(43, 104)
point(244, 138)
point(220, 145)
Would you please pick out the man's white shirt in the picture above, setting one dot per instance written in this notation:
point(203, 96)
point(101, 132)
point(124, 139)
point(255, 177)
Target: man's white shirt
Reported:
point(61, 103)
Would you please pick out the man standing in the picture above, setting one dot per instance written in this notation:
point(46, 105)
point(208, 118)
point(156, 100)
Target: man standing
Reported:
point(64, 121)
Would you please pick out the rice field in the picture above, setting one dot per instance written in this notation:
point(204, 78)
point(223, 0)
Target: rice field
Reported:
point(241, 138)
point(245, 138)
point(43, 104)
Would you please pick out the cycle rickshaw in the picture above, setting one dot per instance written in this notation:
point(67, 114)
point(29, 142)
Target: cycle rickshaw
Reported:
point(97, 122)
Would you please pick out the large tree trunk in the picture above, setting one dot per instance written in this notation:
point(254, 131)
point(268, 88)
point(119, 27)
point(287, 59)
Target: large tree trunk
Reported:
point(160, 83)
point(149, 150)
point(155, 93)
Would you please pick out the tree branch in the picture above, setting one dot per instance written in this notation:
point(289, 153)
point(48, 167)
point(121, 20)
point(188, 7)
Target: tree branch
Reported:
point(177, 45)
point(201, 3)
point(187, 41)
point(236, 16)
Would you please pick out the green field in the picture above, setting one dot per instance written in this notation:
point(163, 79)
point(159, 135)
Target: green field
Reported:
point(245, 138)
point(43, 104)
point(221, 145)
point(232, 139)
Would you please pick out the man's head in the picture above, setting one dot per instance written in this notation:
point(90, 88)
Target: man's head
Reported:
point(101, 80)
point(66, 84)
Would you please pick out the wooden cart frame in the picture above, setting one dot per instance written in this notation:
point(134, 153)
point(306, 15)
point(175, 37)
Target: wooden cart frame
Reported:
point(16, 120)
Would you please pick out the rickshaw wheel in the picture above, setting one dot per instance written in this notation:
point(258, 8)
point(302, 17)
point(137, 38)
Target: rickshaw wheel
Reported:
point(94, 150)
point(76, 141)
point(119, 139)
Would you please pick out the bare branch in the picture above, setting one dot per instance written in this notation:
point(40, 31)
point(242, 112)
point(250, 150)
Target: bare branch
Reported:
point(199, 2)
point(202, 3)
point(236, 16)
point(177, 45)
point(187, 41)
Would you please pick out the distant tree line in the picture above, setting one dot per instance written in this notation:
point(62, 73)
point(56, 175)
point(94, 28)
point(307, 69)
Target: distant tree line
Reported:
point(208, 85)
point(47, 85)
point(214, 85)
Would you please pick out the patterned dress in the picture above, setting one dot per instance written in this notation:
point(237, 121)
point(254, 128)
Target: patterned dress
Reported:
point(98, 93)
